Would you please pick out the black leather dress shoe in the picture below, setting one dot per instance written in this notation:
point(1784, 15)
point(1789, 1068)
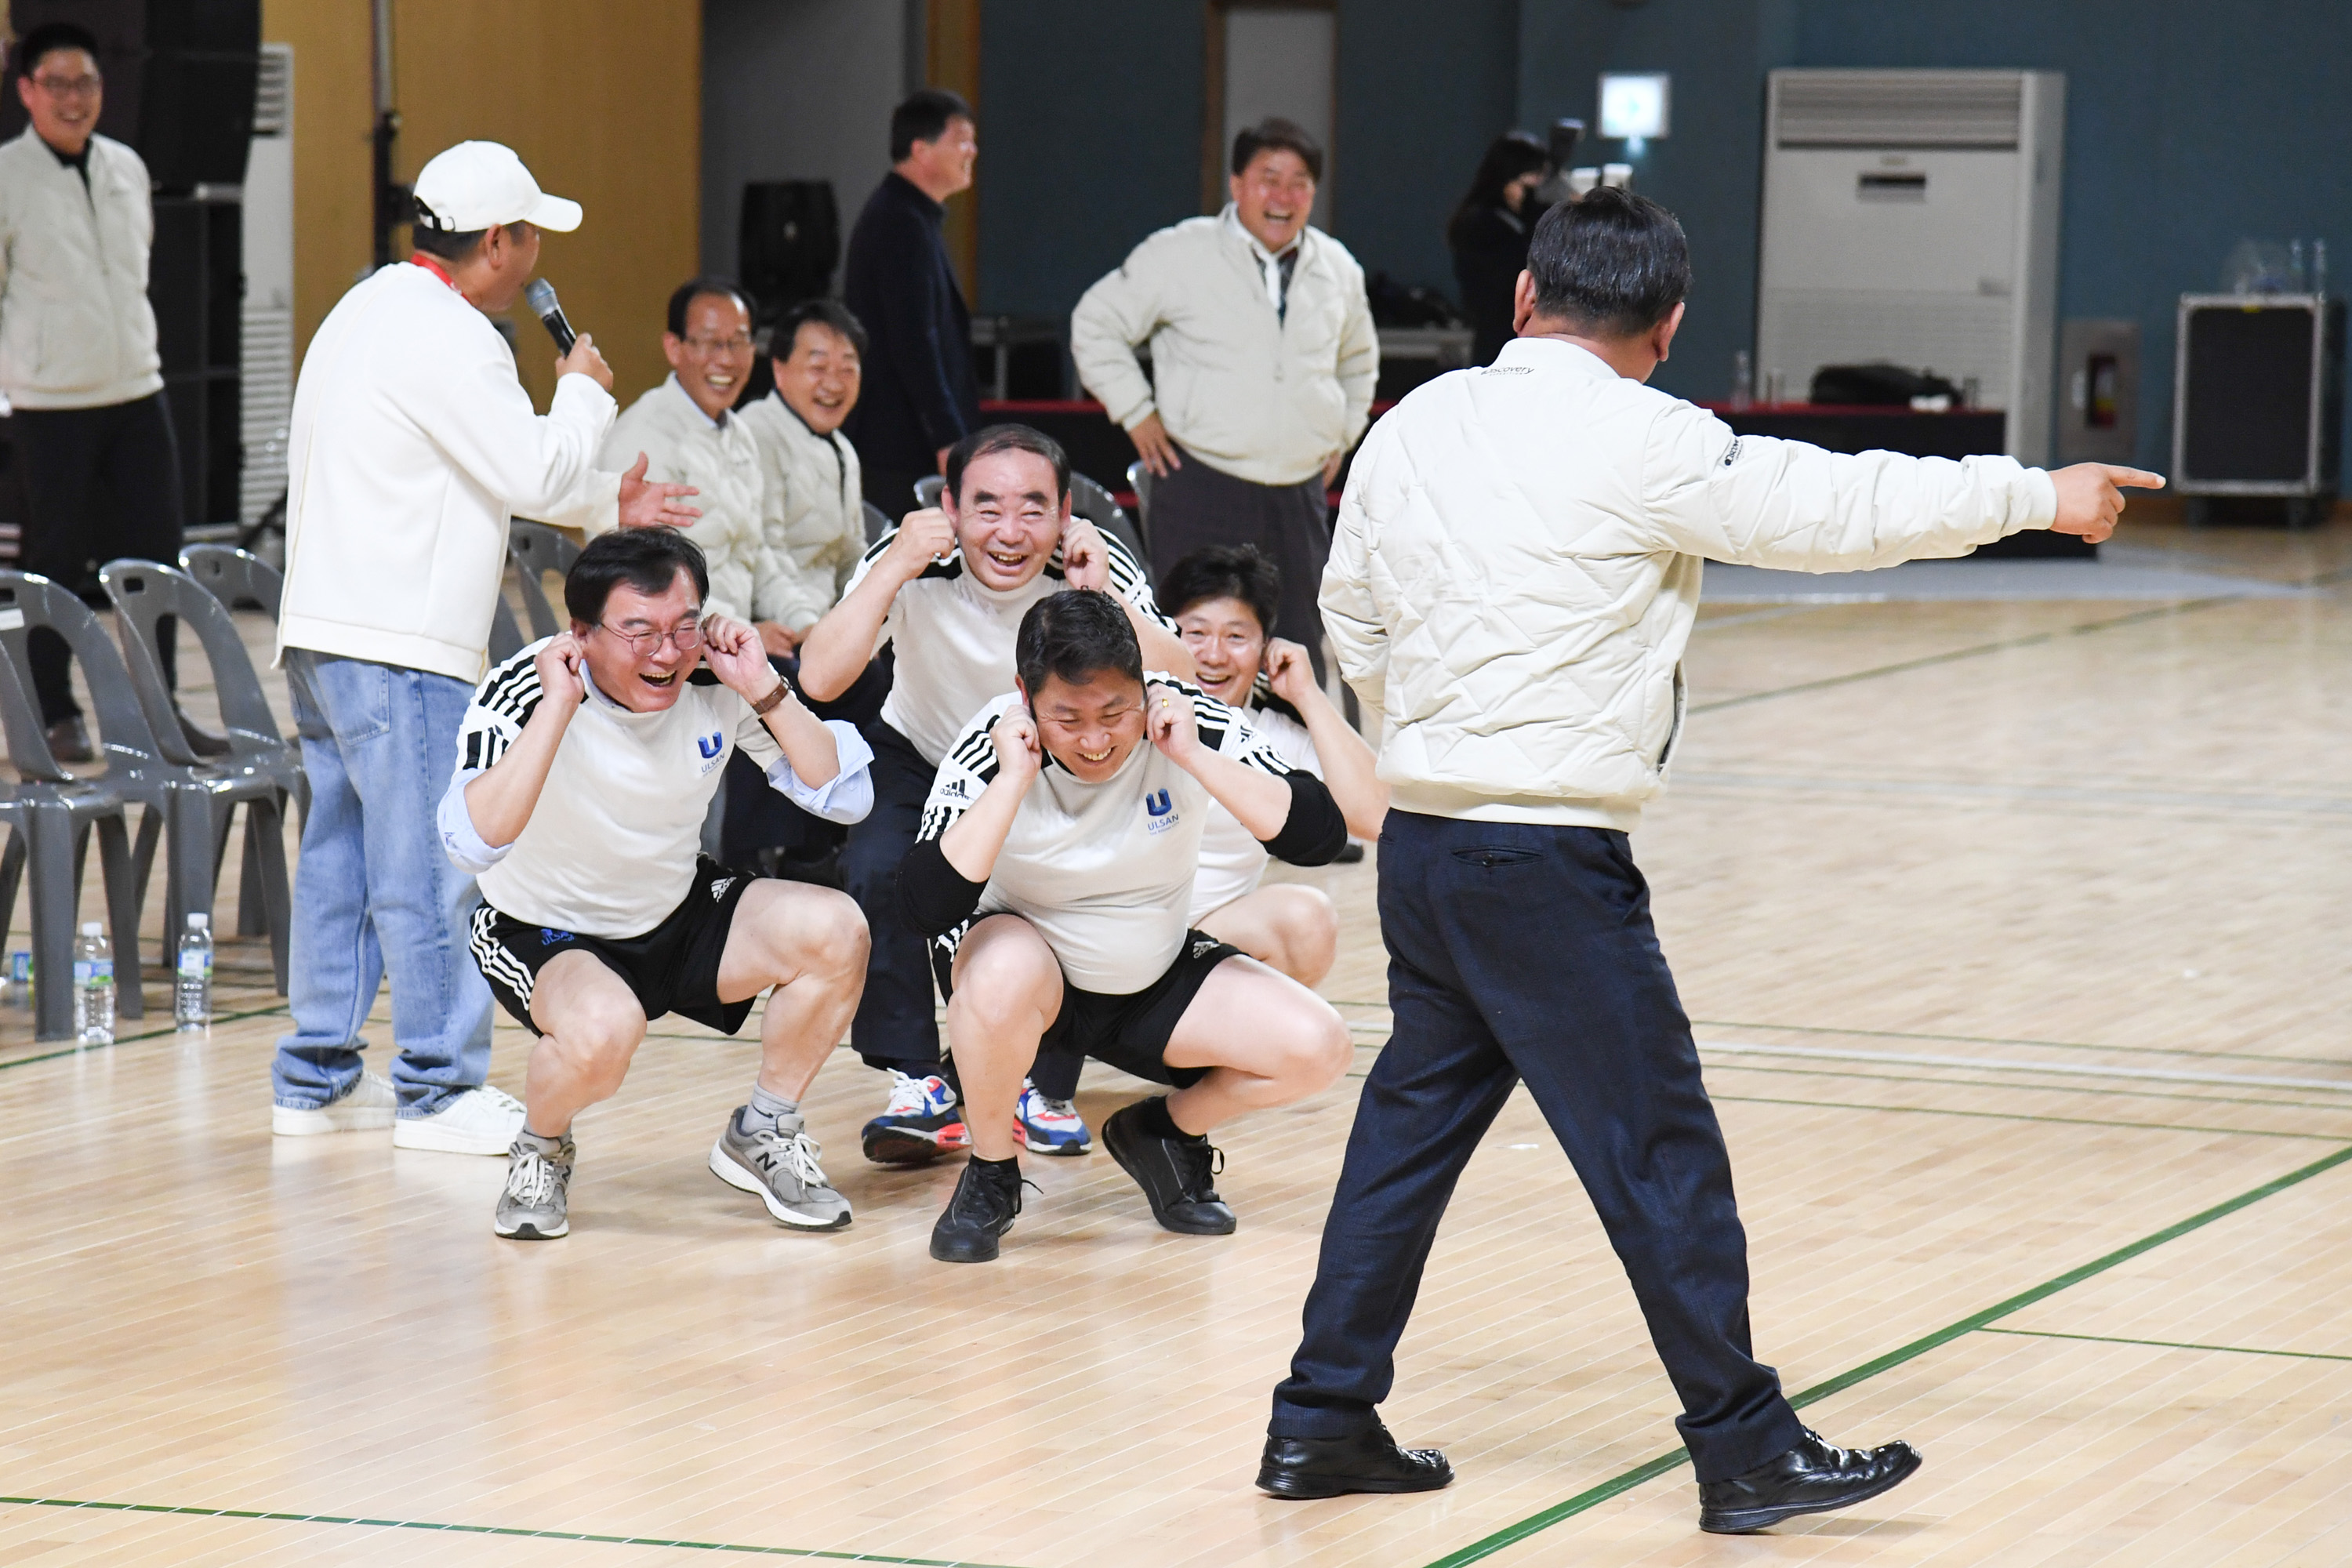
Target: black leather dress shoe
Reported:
point(1366, 1461)
point(70, 742)
point(1811, 1477)
point(1178, 1175)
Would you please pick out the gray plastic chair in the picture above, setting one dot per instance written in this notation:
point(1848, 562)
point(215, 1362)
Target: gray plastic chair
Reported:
point(534, 550)
point(261, 773)
point(237, 578)
point(928, 488)
point(877, 523)
point(242, 580)
point(1139, 479)
point(51, 812)
point(1093, 503)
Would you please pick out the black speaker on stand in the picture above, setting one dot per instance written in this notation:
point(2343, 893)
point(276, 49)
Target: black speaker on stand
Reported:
point(180, 83)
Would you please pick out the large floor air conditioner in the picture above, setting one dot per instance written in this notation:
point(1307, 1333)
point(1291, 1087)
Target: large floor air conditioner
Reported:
point(1911, 217)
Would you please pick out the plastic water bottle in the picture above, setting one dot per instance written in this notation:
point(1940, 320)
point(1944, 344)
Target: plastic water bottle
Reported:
point(93, 974)
point(192, 992)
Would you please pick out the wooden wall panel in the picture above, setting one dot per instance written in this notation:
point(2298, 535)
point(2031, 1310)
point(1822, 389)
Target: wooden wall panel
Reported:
point(952, 60)
point(603, 101)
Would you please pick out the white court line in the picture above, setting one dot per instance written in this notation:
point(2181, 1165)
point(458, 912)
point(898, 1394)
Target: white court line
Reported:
point(1987, 1064)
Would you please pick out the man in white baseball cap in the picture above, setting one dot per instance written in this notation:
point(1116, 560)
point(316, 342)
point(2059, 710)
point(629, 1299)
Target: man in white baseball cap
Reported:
point(478, 184)
point(412, 445)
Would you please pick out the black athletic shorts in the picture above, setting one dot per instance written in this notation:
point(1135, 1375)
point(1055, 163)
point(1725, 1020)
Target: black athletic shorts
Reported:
point(1130, 1033)
point(672, 968)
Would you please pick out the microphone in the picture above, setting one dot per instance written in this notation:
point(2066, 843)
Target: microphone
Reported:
point(541, 297)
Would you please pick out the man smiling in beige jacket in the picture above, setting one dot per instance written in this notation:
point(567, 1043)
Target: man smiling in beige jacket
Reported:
point(1263, 363)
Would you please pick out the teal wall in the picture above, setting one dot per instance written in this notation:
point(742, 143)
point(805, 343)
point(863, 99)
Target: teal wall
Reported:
point(2188, 126)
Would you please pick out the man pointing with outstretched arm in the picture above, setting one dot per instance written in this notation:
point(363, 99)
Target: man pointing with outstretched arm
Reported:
point(1513, 581)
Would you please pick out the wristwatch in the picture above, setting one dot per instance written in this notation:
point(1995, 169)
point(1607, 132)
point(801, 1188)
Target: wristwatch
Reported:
point(767, 705)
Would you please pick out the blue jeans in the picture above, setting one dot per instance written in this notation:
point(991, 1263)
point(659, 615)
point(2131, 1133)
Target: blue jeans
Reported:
point(1521, 953)
point(374, 890)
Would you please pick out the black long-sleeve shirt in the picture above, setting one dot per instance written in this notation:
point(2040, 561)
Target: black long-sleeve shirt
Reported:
point(1490, 250)
point(921, 391)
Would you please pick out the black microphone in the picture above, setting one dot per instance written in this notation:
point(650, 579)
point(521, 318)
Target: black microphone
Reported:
point(541, 297)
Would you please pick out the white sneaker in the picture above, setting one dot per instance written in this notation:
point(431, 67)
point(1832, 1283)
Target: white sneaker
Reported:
point(365, 1107)
point(482, 1120)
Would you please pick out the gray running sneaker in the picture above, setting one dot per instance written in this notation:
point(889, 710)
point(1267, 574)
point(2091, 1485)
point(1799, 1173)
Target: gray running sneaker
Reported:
point(533, 1208)
point(780, 1166)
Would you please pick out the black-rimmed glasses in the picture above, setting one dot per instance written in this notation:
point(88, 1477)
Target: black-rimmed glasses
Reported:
point(686, 635)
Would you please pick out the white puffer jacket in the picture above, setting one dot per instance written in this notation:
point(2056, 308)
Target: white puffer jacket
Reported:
point(1516, 569)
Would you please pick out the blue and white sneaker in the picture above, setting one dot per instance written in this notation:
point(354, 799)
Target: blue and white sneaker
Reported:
point(922, 1121)
point(1046, 1126)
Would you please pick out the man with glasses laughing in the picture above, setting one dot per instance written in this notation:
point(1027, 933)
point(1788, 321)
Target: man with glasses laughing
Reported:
point(586, 766)
point(946, 590)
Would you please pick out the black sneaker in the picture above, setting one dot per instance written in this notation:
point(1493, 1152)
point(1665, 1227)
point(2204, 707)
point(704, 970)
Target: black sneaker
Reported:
point(1177, 1174)
point(987, 1199)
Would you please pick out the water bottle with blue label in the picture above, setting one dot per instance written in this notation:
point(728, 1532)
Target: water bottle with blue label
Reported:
point(192, 990)
point(93, 978)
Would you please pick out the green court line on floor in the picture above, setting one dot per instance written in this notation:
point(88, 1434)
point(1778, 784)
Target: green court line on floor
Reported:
point(2014, 1087)
point(2069, 1089)
point(160, 1034)
point(2030, 639)
point(2021, 1116)
point(277, 1518)
point(2163, 1345)
point(2052, 1069)
point(1535, 1523)
point(1997, 1040)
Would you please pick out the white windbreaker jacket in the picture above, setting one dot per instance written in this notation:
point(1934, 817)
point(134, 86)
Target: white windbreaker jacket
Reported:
point(1516, 569)
point(722, 460)
point(413, 444)
point(76, 329)
point(815, 519)
point(1261, 397)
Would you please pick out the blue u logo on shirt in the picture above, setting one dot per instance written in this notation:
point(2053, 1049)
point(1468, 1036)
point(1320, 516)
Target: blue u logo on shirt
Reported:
point(1157, 804)
point(710, 745)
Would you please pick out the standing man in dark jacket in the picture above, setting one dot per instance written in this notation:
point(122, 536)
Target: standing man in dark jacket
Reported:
point(922, 396)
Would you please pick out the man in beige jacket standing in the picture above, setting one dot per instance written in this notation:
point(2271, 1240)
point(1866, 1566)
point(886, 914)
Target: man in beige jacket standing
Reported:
point(1514, 579)
point(77, 356)
point(1263, 361)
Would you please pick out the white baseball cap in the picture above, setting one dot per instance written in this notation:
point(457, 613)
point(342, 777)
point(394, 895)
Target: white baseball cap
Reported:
point(477, 183)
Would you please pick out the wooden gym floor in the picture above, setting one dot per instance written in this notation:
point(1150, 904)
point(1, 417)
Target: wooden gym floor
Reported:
point(2015, 933)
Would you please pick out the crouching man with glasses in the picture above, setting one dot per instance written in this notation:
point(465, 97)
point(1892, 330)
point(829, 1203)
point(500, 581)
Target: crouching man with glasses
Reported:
point(586, 766)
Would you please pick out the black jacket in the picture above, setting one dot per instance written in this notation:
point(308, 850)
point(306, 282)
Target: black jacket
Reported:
point(1490, 250)
point(921, 392)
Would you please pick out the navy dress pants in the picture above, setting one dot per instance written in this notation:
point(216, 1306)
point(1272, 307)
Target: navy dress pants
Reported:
point(1520, 953)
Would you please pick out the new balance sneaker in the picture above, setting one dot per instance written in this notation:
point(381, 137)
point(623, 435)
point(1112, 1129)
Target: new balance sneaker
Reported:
point(534, 1207)
point(780, 1164)
point(987, 1200)
point(1177, 1174)
point(1045, 1126)
point(921, 1122)
point(482, 1120)
point(366, 1107)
